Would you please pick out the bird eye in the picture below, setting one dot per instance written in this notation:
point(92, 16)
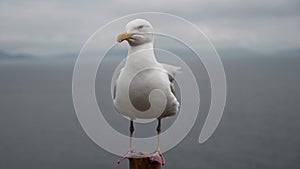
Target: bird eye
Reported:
point(140, 27)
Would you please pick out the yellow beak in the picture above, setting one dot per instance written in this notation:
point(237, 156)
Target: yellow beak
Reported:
point(123, 36)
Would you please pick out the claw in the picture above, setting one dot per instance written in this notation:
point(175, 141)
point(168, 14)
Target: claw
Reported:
point(125, 156)
point(158, 157)
point(129, 154)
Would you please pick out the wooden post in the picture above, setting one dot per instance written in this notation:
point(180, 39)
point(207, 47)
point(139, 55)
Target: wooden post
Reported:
point(143, 163)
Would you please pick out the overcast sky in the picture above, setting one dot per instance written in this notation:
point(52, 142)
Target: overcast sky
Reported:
point(57, 27)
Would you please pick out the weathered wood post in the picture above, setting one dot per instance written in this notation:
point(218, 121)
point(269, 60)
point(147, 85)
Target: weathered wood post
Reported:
point(143, 163)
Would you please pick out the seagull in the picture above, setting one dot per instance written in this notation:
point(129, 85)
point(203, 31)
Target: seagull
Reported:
point(143, 73)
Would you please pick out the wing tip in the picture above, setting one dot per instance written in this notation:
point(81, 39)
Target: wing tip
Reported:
point(202, 139)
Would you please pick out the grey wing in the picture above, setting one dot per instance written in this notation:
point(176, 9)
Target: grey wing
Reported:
point(172, 71)
point(173, 105)
point(171, 79)
point(115, 90)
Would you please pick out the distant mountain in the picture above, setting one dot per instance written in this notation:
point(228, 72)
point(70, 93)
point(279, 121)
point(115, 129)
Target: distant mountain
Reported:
point(5, 55)
point(235, 52)
point(66, 56)
point(292, 52)
point(8, 56)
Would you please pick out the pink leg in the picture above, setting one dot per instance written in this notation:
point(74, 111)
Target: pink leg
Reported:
point(130, 153)
point(157, 156)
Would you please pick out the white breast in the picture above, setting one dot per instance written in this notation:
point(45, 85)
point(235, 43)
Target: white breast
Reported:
point(139, 89)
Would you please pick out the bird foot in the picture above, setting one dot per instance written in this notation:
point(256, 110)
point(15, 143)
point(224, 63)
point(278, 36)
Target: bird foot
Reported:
point(129, 154)
point(158, 157)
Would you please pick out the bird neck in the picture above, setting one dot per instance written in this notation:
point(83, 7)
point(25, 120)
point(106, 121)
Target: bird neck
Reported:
point(142, 54)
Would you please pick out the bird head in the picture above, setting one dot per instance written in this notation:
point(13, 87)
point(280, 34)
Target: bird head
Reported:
point(138, 32)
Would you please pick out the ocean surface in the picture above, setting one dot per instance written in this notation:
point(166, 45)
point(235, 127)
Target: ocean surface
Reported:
point(260, 127)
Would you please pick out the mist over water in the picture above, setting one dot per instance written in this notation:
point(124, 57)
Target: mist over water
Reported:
point(259, 129)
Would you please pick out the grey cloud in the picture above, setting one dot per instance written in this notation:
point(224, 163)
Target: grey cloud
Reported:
point(38, 27)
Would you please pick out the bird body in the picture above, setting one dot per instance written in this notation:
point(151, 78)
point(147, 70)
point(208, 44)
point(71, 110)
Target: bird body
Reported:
point(141, 75)
point(151, 75)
